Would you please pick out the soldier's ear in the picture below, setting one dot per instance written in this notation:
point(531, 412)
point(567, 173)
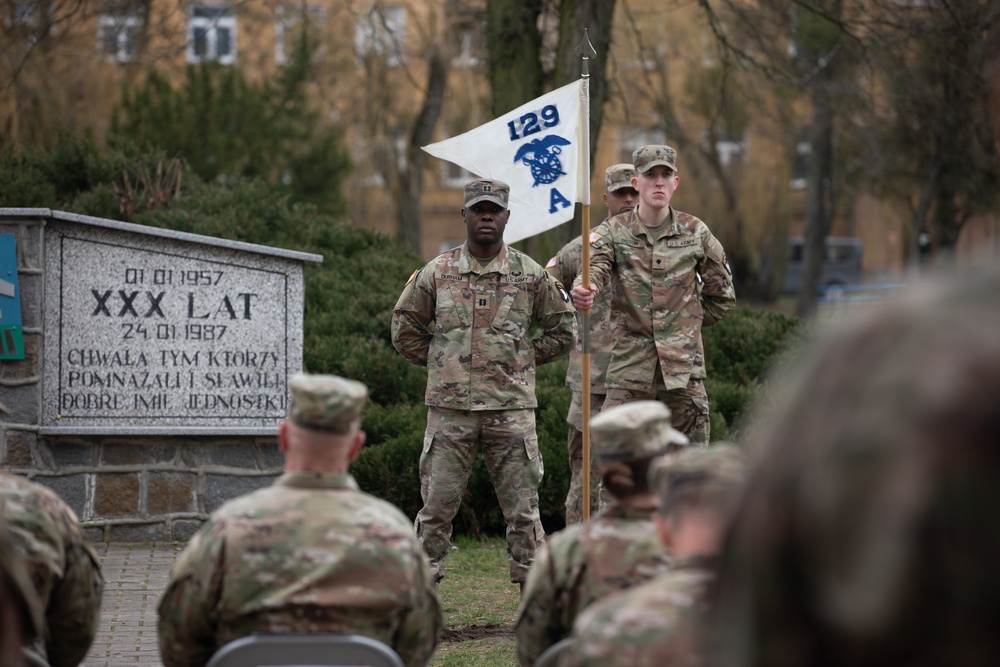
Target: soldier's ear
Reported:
point(357, 442)
point(283, 436)
point(663, 530)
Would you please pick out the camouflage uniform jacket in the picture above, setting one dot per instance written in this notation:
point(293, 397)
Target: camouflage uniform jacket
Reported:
point(583, 563)
point(469, 325)
point(653, 624)
point(663, 308)
point(565, 267)
point(310, 554)
point(62, 565)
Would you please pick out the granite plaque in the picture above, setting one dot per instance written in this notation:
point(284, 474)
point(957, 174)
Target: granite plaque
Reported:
point(153, 334)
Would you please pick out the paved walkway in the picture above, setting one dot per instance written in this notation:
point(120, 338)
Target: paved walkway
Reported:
point(134, 577)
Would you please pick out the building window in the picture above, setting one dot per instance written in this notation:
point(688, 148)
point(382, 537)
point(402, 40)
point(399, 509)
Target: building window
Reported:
point(470, 45)
point(211, 34)
point(29, 20)
point(118, 33)
point(294, 23)
point(800, 169)
point(382, 33)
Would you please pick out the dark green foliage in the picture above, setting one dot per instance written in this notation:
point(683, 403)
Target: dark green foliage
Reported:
point(740, 347)
point(38, 179)
point(225, 128)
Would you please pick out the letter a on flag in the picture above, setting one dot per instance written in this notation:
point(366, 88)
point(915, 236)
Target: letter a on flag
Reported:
point(534, 150)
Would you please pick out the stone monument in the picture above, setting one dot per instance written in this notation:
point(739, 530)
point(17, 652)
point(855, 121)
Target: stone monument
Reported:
point(155, 369)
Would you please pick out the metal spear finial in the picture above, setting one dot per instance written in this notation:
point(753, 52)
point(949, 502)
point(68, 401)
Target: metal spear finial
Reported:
point(586, 51)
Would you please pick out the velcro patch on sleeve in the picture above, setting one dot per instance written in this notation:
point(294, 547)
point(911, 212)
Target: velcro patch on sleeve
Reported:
point(552, 262)
point(412, 276)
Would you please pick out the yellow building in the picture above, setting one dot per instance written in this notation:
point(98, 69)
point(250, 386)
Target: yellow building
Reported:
point(65, 65)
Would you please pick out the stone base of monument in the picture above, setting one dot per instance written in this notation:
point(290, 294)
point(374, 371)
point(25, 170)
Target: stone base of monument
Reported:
point(135, 489)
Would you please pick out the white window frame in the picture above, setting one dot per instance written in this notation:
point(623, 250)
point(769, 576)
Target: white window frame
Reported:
point(287, 22)
point(126, 28)
point(225, 20)
point(382, 32)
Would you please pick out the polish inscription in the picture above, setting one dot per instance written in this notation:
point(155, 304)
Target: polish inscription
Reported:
point(161, 338)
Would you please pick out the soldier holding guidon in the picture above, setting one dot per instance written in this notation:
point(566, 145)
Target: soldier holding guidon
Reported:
point(674, 279)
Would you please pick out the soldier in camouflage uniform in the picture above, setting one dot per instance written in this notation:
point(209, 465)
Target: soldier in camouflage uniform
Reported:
point(310, 554)
point(616, 549)
point(659, 622)
point(466, 317)
point(62, 566)
point(674, 279)
point(620, 197)
point(868, 534)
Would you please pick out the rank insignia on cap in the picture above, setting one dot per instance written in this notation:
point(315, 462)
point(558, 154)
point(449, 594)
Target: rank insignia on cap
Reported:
point(412, 276)
point(562, 291)
point(552, 262)
point(594, 238)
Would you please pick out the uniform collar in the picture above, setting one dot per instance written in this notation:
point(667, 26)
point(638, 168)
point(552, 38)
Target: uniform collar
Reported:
point(317, 480)
point(627, 512)
point(469, 264)
point(638, 229)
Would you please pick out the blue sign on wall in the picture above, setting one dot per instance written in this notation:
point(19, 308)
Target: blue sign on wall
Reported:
point(11, 339)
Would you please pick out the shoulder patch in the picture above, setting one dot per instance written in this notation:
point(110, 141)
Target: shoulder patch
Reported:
point(412, 276)
point(594, 238)
point(725, 263)
point(552, 262)
point(563, 294)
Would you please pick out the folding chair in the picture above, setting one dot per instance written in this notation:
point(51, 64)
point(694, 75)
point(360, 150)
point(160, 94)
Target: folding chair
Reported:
point(550, 656)
point(260, 650)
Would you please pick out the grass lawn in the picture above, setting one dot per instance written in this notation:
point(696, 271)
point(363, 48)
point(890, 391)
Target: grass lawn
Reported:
point(479, 605)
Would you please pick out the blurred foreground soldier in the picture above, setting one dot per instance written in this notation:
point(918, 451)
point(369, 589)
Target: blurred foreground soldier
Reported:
point(310, 554)
point(869, 534)
point(466, 316)
point(62, 565)
point(674, 279)
point(21, 618)
point(659, 622)
point(620, 197)
point(616, 549)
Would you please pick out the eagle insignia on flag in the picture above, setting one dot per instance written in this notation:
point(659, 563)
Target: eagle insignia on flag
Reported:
point(542, 156)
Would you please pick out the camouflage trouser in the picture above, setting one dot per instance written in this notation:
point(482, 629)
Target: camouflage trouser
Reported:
point(688, 406)
point(574, 444)
point(510, 448)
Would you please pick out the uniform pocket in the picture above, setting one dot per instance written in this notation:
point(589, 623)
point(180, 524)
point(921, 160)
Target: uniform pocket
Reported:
point(531, 447)
point(428, 440)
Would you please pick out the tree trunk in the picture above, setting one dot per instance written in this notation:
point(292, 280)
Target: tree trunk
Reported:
point(411, 177)
point(513, 43)
point(819, 193)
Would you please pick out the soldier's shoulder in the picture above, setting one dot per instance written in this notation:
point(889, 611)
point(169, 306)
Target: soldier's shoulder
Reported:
point(34, 497)
point(574, 247)
point(691, 223)
point(522, 261)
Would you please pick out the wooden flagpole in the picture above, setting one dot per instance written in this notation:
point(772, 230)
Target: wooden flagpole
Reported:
point(586, 51)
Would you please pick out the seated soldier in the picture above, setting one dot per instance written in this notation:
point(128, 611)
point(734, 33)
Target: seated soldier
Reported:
point(310, 554)
point(616, 549)
point(61, 564)
point(868, 534)
point(657, 623)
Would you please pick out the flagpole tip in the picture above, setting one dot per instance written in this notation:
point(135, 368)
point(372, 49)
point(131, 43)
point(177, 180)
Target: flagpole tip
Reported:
point(585, 49)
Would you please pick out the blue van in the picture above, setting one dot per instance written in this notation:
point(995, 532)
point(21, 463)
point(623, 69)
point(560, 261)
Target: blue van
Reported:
point(841, 266)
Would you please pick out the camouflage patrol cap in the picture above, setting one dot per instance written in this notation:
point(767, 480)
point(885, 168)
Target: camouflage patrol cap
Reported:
point(633, 431)
point(619, 176)
point(326, 402)
point(720, 465)
point(647, 157)
point(486, 189)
